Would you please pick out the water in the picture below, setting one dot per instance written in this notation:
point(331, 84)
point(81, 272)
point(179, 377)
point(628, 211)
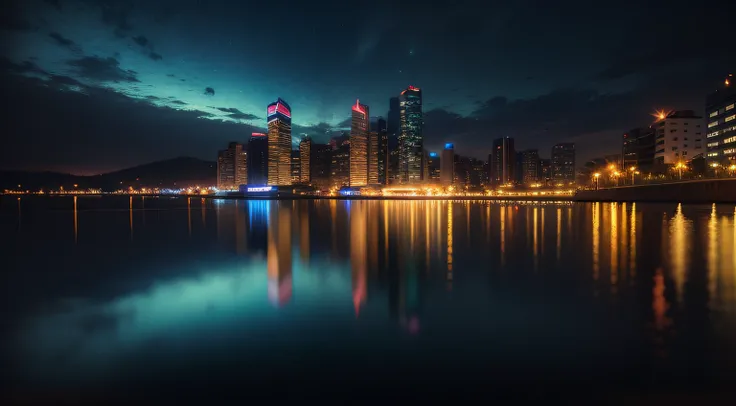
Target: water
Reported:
point(342, 297)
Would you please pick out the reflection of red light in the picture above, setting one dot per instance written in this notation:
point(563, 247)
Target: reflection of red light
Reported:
point(413, 325)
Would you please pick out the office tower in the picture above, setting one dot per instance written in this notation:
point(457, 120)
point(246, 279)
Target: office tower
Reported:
point(502, 162)
point(447, 165)
point(563, 162)
point(433, 167)
point(477, 176)
point(373, 151)
point(678, 137)
point(530, 167)
point(319, 165)
point(279, 143)
point(296, 167)
point(340, 165)
point(721, 133)
point(637, 148)
point(545, 171)
point(305, 160)
point(359, 129)
point(378, 125)
point(411, 140)
point(393, 125)
point(231, 167)
point(258, 159)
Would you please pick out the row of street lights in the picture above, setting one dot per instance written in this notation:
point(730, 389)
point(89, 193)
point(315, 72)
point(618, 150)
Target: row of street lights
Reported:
point(616, 174)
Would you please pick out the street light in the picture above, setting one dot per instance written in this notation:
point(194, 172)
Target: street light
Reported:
point(679, 167)
point(715, 166)
point(633, 172)
point(732, 168)
point(598, 175)
point(616, 174)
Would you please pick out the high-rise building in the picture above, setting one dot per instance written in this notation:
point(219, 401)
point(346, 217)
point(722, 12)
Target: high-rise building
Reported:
point(678, 137)
point(258, 159)
point(378, 125)
point(563, 162)
point(359, 145)
point(502, 162)
point(305, 159)
point(545, 171)
point(279, 143)
point(340, 165)
point(529, 166)
point(433, 167)
point(447, 165)
point(721, 133)
point(393, 125)
point(411, 139)
point(296, 166)
point(232, 170)
point(637, 148)
point(320, 164)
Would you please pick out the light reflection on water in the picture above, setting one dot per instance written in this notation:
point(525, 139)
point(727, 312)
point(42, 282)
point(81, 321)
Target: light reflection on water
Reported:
point(618, 284)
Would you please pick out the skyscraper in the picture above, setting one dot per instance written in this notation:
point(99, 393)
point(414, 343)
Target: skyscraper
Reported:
point(378, 125)
point(320, 164)
point(279, 143)
point(502, 162)
point(447, 165)
point(305, 158)
point(231, 167)
point(340, 165)
point(359, 145)
point(373, 150)
point(258, 159)
point(529, 166)
point(721, 133)
point(411, 140)
point(393, 125)
point(563, 162)
point(296, 166)
point(433, 167)
point(637, 148)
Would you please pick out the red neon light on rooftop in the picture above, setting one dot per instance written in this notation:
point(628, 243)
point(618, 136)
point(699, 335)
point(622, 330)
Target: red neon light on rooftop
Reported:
point(413, 88)
point(357, 107)
point(258, 135)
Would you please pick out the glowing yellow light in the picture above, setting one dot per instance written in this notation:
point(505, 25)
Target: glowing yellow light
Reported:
point(632, 169)
point(611, 167)
point(715, 165)
point(597, 175)
point(732, 167)
point(660, 114)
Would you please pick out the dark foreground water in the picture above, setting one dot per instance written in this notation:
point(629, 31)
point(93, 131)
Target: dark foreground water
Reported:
point(365, 299)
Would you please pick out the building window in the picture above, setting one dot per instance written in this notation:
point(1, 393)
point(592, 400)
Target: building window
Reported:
point(728, 140)
point(729, 118)
point(713, 114)
point(713, 124)
point(729, 107)
point(713, 154)
point(729, 151)
point(713, 144)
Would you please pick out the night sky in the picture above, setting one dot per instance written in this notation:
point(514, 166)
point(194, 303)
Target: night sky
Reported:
point(93, 86)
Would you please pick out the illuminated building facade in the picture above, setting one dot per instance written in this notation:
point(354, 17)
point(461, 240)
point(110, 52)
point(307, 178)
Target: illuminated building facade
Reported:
point(545, 171)
point(296, 167)
point(433, 167)
point(320, 164)
point(678, 137)
point(232, 170)
point(529, 167)
point(502, 162)
point(359, 145)
point(340, 165)
point(305, 160)
point(411, 139)
point(279, 143)
point(447, 165)
point(563, 162)
point(721, 133)
point(637, 148)
point(379, 126)
point(257, 161)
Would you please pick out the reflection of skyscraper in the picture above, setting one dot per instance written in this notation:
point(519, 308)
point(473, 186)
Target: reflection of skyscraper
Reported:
point(359, 253)
point(411, 140)
point(279, 143)
point(359, 129)
point(258, 159)
point(279, 253)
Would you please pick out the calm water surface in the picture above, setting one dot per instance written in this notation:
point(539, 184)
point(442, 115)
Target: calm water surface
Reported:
point(170, 293)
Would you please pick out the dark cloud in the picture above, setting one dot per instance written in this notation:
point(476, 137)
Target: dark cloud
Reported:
point(243, 116)
point(228, 109)
point(179, 102)
point(65, 42)
point(171, 75)
point(65, 80)
point(24, 67)
point(208, 91)
point(182, 80)
point(116, 14)
point(12, 20)
point(155, 56)
point(141, 40)
point(102, 69)
point(154, 98)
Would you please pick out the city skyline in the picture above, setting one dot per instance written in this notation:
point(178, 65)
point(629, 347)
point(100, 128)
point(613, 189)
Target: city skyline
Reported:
point(169, 83)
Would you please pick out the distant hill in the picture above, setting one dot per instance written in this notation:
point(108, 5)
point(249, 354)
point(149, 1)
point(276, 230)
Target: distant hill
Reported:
point(176, 172)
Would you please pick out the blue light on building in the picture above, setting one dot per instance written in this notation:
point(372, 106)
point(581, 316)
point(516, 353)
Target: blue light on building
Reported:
point(449, 145)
